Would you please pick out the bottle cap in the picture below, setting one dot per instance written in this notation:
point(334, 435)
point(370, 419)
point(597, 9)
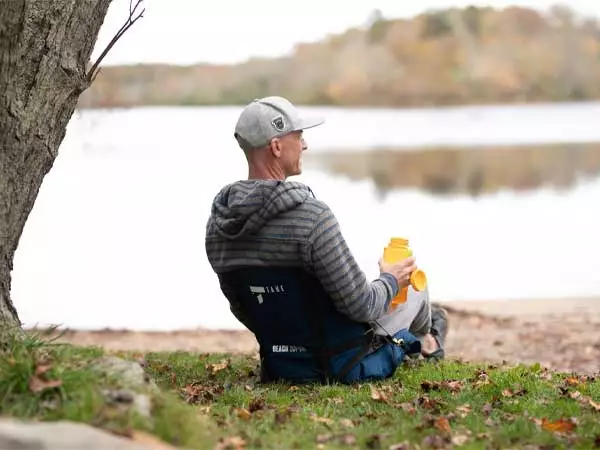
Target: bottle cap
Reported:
point(418, 280)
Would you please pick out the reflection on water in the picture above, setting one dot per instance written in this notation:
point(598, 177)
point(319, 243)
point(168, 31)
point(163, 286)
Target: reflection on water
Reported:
point(116, 237)
point(470, 170)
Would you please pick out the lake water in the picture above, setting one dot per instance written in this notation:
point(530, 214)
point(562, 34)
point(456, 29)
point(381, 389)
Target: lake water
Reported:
point(116, 237)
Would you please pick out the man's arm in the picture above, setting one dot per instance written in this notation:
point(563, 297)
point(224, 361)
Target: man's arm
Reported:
point(334, 265)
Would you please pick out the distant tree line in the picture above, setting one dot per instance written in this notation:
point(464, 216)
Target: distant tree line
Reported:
point(444, 57)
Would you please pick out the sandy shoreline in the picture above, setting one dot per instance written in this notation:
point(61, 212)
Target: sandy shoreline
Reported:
point(562, 334)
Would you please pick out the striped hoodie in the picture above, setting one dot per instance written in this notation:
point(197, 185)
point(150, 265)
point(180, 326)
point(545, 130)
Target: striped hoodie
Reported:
point(281, 223)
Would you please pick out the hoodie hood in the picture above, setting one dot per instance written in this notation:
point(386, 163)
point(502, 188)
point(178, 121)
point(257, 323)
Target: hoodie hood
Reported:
point(243, 207)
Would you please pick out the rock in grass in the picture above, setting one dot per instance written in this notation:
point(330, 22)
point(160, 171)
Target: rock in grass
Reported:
point(19, 435)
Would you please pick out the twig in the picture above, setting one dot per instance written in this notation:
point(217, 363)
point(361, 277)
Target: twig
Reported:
point(93, 72)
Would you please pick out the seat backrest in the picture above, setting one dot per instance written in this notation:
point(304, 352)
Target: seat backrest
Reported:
point(294, 320)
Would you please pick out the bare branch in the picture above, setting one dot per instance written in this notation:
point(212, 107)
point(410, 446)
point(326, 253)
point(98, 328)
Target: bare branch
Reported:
point(93, 72)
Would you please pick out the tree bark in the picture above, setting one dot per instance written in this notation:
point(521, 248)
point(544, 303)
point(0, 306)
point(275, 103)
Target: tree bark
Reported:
point(45, 46)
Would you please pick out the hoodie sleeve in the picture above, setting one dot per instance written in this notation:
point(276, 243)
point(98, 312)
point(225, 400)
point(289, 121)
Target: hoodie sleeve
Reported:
point(334, 265)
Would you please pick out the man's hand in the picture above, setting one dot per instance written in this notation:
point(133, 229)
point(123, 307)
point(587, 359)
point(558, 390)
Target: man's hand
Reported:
point(400, 270)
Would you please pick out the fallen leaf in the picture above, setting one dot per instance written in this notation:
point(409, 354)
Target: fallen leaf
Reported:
point(378, 395)
point(323, 420)
point(483, 436)
point(460, 439)
point(402, 446)
point(442, 424)
point(428, 403)
point(487, 409)
point(203, 410)
point(594, 405)
point(450, 385)
point(481, 379)
point(231, 443)
point(243, 413)
point(436, 441)
point(282, 416)
point(336, 400)
point(248, 388)
point(42, 368)
point(347, 423)
point(559, 426)
point(517, 391)
point(198, 393)
point(293, 388)
point(324, 438)
point(37, 385)
point(38, 382)
point(509, 417)
point(463, 410)
point(576, 380)
point(347, 439)
point(257, 404)
point(214, 368)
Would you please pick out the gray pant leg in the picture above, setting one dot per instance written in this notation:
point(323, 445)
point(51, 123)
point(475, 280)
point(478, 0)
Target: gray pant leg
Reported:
point(414, 315)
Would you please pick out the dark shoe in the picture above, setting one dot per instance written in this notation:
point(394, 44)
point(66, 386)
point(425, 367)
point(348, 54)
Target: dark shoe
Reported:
point(439, 330)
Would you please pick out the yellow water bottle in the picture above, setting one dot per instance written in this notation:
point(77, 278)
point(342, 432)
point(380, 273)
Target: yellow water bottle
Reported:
point(397, 250)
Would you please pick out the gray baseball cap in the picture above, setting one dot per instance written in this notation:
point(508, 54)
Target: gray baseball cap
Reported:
point(269, 117)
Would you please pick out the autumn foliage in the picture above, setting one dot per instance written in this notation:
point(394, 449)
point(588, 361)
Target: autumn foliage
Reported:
point(453, 56)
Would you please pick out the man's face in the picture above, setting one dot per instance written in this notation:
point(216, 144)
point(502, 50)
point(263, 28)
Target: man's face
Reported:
point(292, 145)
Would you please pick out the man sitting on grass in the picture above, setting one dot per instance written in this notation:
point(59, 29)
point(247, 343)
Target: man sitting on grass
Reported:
point(290, 278)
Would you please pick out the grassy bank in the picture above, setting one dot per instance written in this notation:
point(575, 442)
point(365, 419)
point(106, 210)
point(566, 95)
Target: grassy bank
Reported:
point(208, 401)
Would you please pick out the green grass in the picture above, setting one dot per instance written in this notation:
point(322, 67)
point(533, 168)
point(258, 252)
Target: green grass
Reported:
point(208, 401)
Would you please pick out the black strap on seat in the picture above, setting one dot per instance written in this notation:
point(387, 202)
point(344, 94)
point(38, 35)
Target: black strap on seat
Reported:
point(324, 354)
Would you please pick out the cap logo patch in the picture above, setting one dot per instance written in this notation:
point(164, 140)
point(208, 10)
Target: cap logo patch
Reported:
point(278, 123)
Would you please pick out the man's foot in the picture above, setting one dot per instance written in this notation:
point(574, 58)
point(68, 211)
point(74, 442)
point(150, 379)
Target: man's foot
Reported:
point(439, 331)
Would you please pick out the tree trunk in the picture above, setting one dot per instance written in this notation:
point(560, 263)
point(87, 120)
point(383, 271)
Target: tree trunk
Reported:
point(45, 46)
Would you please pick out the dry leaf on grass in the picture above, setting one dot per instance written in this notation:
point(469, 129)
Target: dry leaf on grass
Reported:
point(557, 426)
point(442, 424)
point(324, 420)
point(515, 392)
point(347, 439)
point(436, 441)
point(231, 443)
point(481, 379)
point(344, 439)
point(214, 368)
point(464, 410)
point(38, 382)
point(257, 404)
point(242, 413)
point(450, 385)
point(379, 395)
point(282, 416)
point(347, 423)
point(486, 409)
point(460, 439)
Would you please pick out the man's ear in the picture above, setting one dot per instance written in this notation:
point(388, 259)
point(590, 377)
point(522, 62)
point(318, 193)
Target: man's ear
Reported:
point(276, 147)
